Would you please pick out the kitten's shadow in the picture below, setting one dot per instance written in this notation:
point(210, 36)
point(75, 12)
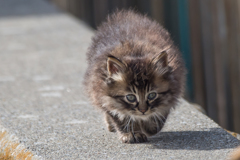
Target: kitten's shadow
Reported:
point(194, 140)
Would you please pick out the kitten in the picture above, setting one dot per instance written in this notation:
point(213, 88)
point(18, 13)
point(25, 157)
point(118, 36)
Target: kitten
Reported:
point(135, 75)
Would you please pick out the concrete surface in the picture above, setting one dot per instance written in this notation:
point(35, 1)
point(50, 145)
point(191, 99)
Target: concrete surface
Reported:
point(42, 62)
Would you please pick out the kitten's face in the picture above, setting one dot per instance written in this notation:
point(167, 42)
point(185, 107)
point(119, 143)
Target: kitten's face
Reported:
point(139, 87)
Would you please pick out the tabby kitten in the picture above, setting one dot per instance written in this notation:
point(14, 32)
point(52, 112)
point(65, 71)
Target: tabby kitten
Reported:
point(135, 75)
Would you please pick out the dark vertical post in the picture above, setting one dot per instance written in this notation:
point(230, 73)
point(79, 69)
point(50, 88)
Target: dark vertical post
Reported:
point(184, 35)
point(233, 18)
point(100, 11)
point(210, 81)
point(197, 56)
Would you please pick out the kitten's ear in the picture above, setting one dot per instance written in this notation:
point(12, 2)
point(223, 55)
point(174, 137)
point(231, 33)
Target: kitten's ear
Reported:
point(161, 59)
point(114, 65)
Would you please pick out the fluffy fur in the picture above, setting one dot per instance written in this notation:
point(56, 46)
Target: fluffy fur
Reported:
point(133, 58)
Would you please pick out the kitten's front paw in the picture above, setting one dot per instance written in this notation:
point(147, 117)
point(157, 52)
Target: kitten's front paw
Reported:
point(133, 137)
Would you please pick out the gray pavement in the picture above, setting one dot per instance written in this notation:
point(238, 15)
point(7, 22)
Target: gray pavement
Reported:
point(42, 62)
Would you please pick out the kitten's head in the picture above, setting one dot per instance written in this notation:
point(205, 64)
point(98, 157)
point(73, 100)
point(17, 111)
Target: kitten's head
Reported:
point(140, 86)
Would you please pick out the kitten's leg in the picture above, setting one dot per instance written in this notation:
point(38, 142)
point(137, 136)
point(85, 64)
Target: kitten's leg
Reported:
point(110, 124)
point(153, 125)
point(130, 132)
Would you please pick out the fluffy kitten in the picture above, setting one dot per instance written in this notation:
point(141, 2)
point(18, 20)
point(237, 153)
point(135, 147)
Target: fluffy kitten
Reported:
point(135, 75)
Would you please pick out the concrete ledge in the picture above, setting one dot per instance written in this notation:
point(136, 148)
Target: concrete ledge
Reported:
point(42, 61)
point(10, 148)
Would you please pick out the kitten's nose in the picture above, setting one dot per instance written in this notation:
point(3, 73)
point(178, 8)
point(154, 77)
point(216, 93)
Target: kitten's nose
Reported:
point(143, 110)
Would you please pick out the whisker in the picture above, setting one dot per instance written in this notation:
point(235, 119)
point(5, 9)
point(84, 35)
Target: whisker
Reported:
point(160, 118)
point(127, 124)
point(156, 122)
point(132, 128)
point(130, 119)
point(125, 127)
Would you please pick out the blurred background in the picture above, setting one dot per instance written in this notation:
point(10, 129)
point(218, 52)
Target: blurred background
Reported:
point(208, 35)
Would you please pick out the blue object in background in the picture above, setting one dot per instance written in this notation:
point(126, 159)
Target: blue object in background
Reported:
point(177, 23)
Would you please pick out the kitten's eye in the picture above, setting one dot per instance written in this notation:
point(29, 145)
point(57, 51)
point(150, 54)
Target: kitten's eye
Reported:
point(152, 95)
point(131, 98)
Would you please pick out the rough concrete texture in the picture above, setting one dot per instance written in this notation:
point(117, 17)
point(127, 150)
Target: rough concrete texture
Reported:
point(42, 61)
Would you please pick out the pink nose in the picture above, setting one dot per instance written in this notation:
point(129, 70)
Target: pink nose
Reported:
point(142, 110)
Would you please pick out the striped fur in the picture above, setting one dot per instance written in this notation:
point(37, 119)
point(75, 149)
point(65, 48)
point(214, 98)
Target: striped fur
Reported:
point(134, 56)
